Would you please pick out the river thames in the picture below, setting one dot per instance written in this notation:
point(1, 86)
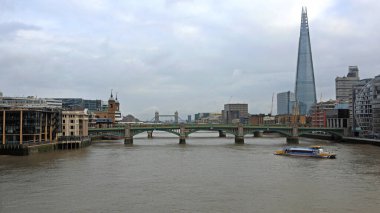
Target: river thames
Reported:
point(208, 174)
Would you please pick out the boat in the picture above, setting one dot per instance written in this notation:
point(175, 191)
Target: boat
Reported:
point(313, 151)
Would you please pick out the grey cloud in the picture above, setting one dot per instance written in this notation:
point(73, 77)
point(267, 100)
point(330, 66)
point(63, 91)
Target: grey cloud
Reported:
point(8, 28)
point(180, 55)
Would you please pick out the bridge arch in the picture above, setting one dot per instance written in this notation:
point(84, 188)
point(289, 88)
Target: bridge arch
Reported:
point(136, 132)
point(212, 130)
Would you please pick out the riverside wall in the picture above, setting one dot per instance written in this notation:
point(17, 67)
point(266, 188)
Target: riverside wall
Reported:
point(28, 149)
point(352, 140)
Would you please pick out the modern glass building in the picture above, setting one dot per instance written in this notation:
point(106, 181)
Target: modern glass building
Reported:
point(305, 83)
point(285, 102)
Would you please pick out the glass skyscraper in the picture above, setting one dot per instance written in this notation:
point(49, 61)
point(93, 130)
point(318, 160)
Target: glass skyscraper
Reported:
point(285, 101)
point(305, 84)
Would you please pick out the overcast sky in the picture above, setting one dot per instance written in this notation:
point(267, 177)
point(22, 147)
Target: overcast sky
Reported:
point(186, 55)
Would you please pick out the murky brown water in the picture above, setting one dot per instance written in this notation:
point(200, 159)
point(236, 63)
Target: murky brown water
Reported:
point(208, 174)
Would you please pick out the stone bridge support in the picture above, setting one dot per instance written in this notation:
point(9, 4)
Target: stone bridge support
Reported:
point(150, 134)
point(258, 134)
point(239, 137)
point(222, 134)
point(294, 138)
point(182, 135)
point(128, 135)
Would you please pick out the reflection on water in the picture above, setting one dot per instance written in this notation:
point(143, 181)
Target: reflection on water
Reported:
point(208, 174)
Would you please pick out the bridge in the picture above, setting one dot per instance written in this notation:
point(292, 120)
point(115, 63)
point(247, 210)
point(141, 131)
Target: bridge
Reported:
point(184, 130)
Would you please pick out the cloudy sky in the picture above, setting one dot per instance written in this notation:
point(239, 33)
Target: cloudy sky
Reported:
point(186, 55)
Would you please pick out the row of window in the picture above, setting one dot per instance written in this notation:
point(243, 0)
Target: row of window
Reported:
point(71, 127)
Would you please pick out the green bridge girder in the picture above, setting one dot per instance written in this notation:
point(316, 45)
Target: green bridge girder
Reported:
point(191, 128)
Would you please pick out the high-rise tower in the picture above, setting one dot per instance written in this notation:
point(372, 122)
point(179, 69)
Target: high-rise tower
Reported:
point(305, 84)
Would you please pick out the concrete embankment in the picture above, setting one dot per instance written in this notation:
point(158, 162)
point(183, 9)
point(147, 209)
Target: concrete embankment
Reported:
point(360, 141)
point(27, 149)
point(22, 149)
point(353, 140)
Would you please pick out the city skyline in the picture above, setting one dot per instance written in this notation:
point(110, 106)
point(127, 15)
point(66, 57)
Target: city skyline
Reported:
point(161, 54)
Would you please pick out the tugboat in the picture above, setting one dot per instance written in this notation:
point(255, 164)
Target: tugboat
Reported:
point(313, 151)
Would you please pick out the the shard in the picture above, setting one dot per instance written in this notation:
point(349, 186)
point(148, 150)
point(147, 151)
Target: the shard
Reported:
point(305, 84)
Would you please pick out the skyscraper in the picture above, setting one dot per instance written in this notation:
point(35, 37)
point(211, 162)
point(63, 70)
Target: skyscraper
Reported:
point(305, 84)
point(285, 101)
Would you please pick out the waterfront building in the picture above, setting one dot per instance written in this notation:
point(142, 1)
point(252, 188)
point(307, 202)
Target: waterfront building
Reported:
point(344, 85)
point(257, 119)
point(337, 117)
point(75, 123)
point(285, 102)
point(318, 113)
point(305, 84)
point(366, 107)
point(344, 89)
point(235, 112)
point(290, 120)
point(28, 121)
point(112, 111)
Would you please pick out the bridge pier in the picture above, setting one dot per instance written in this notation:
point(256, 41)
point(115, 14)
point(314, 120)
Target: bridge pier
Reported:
point(258, 134)
point(128, 135)
point(239, 140)
point(239, 137)
point(222, 134)
point(292, 140)
point(294, 137)
point(128, 140)
point(182, 135)
point(150, 134)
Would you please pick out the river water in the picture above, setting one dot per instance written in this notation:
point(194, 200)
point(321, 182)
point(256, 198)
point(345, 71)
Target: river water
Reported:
point(208, 174)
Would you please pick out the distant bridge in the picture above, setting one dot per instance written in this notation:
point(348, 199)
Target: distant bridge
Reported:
point(184, 130)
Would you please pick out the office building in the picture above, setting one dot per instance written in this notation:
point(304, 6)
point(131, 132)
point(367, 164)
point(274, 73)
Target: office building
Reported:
point(234, 113)
point(366, 107)
point(344, 85)
point(28, 121)
point(337, 118)
point(319, 113)
point(75, 123)
point(285, 102)
point(305, 84)
point(80, 104)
